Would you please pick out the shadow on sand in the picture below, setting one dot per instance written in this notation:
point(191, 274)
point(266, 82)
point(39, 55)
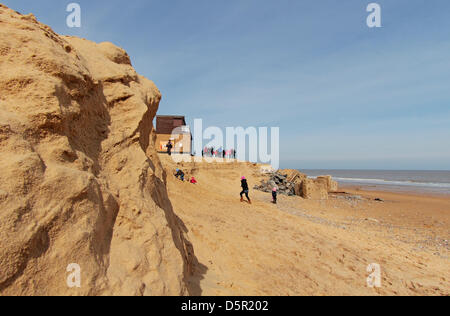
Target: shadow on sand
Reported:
point(194, 271)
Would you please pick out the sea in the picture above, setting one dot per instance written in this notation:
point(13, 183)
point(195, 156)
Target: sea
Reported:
point(437, 182)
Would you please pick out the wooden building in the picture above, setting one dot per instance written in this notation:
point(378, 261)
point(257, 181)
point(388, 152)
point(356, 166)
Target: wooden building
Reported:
point(175, 129)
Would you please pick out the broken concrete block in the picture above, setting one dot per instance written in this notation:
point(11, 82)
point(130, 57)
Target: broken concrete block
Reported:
point(332, 186)
point(315, 189)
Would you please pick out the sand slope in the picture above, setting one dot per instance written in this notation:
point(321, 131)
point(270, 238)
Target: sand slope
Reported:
point(302, 247)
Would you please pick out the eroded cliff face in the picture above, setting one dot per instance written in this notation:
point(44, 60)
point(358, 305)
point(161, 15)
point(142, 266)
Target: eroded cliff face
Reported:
point(80, 181)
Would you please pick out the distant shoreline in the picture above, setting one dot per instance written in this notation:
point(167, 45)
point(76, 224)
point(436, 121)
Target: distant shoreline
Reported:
point(419, 191)
point(401, 181)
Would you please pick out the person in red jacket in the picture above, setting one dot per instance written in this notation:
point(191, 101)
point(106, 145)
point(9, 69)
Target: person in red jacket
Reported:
point(193, 180)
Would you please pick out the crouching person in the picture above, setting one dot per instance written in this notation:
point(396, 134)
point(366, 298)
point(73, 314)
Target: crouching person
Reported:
point(179, 174)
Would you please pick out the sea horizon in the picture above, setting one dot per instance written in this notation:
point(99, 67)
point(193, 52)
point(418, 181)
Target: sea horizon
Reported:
point(424, 181)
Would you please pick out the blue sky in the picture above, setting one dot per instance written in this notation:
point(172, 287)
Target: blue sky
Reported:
point(344, 95)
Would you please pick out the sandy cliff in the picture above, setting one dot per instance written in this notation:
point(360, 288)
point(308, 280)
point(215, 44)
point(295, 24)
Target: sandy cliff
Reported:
point(80, 181)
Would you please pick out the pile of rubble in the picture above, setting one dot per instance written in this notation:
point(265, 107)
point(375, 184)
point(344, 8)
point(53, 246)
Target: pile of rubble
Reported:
point(280, 182)
point(292, 182)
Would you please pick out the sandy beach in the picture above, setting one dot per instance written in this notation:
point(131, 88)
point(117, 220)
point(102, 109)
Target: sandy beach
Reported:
point(306, 247)
point(90, 205)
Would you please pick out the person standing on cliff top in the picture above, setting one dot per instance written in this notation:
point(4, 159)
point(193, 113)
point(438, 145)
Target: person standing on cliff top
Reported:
point(245, 190)
point(169, 148)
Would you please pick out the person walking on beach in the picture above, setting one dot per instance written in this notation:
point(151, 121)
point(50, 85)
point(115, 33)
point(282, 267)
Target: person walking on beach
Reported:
point(274, 195)
point(245, 190)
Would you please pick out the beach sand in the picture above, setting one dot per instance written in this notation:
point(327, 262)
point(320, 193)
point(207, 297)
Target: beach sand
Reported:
point(305, 247)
